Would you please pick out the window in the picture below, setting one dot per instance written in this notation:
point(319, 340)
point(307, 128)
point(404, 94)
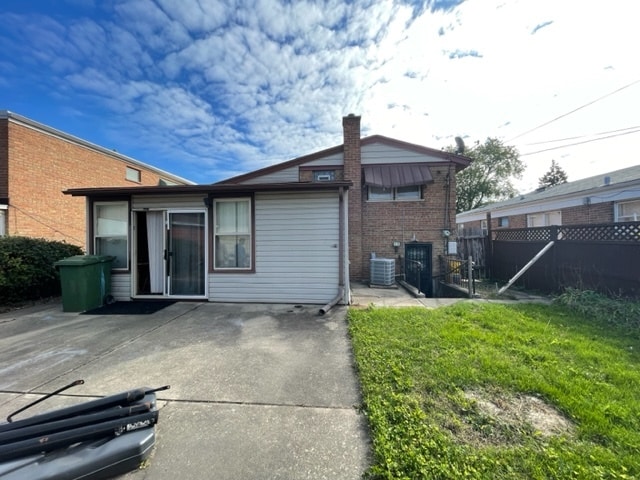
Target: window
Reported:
point(133, 174)
point(233, 245)
point(111, 227)
point(3, 222)
point(483, 227)
point(324, 175)
point(387, 194)
point(544, 219)
point(503, 222)
point(628, 211)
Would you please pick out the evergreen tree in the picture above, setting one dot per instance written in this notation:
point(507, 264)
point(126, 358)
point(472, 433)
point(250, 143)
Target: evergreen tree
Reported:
point(555, 176)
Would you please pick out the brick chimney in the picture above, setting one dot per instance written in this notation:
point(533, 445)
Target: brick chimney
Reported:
point(353, 172)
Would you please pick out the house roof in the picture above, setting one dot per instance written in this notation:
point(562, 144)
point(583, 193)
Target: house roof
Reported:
point(27, 122)
point(459, 160)
point(103, 192)
point(626, 180)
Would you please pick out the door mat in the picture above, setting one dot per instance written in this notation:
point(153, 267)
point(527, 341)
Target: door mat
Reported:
point(130, 308)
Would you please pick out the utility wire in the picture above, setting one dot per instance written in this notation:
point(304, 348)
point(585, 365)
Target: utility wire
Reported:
point(579, 143)
point(583, 136)
point(573, 111)
point(51, 227)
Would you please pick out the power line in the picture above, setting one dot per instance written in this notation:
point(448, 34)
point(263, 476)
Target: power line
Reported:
point(33, 217)
point(574, 110)
point(580, 143)
point(582, 136)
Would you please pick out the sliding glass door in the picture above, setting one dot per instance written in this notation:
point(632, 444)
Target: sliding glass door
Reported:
point(171, 253)
point(186, 259)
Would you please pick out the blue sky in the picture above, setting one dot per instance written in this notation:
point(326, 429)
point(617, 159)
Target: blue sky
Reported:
point(208, 89)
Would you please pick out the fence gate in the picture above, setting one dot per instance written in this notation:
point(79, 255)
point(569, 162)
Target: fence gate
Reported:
point(417, 267)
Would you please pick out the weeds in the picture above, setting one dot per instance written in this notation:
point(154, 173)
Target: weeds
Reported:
point(622, 312)
point(481, 391)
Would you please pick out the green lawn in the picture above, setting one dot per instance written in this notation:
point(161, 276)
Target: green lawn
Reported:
point(491, 391)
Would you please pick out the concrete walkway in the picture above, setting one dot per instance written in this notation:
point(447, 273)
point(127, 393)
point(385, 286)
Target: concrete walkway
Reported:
point(257, 391)
point(396, 296)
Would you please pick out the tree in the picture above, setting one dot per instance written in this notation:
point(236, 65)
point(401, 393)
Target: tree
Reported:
point(489, 176)
point(555, 176)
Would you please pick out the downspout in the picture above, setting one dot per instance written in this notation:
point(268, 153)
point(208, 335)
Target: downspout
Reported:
point(340, 294)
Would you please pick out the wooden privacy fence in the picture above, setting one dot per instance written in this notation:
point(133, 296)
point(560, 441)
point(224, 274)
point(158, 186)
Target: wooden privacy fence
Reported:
point(603, 257)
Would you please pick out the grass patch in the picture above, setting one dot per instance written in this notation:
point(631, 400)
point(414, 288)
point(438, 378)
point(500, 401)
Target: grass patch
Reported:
point(483, 391)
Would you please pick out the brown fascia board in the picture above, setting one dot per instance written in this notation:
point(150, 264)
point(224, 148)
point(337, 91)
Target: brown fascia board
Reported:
point(459, 160)
point(212, 189)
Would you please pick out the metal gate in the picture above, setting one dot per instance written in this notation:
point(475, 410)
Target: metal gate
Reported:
point(417, 267)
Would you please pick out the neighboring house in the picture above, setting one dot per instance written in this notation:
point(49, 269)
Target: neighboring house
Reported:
point(298, 231)
point(38, 162)
point(608, 198)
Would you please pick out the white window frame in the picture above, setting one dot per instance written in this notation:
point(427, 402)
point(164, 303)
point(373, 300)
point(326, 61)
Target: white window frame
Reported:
point(634, 217)
point(247, 235)
point(545, 218)
point(133, 174)
point(3, 220)
point(393, 194)
point(121, 235)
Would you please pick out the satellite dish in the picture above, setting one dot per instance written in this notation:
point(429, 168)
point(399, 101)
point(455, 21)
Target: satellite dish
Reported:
point(460, 144)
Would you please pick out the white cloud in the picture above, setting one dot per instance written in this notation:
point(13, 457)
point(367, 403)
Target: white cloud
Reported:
point(226, 87)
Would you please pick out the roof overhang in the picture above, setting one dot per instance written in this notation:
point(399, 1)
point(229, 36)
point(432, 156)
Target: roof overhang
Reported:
point(213, 189)
point(399, 175)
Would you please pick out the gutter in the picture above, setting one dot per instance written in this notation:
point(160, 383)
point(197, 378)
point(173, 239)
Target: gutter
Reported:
point(341, 282)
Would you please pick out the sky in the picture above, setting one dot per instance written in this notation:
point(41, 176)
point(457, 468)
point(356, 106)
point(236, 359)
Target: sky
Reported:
point(209, 89)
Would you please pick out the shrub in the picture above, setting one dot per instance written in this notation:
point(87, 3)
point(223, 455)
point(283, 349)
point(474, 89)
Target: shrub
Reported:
point(617, 311)
point(26, 268)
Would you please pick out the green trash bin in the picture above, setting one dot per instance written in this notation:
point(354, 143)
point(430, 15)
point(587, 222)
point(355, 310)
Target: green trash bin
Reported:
point(85, 281)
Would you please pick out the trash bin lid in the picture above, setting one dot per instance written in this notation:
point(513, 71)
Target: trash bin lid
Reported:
point(82, 260)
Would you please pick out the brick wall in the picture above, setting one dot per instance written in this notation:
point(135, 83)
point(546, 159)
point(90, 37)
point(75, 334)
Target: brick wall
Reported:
point(588, 214)
point(40, 167)
point(353, 172)
point(4, 172)
point(306, 175)
point(404, 221)
point(373, 226)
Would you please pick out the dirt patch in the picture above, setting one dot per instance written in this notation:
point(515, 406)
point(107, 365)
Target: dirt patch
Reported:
point(523, 410)
point(505, 419)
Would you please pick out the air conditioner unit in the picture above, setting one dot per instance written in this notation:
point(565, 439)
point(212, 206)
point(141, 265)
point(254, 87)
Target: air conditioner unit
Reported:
point(383, 271)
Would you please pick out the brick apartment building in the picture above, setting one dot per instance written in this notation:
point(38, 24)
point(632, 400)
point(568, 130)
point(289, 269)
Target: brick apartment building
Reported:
point(611, 197)
point(38, 162)
point(401, 203)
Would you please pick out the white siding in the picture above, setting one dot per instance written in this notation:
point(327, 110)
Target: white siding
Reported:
point(296, 252)
point(330, 160)
point(121, 286)
point(292, 174)
point(282, 176)
point(381, 153)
